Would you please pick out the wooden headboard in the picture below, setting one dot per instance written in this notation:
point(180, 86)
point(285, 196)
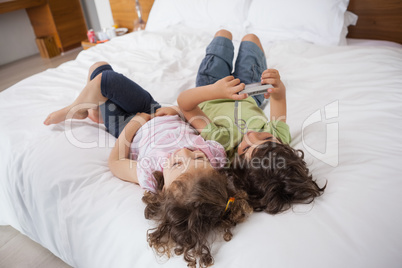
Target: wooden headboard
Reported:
point(378, 19)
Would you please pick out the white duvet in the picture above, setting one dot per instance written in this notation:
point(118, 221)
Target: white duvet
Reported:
point(344, 111)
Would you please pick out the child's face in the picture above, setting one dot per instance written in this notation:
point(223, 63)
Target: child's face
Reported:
point(185, 161)
point(251, 140)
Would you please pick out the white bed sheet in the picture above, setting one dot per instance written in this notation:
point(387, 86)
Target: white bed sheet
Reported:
point(372, 43)
point(56, 188)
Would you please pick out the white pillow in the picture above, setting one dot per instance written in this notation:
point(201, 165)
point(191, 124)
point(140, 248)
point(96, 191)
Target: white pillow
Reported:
point(316, 21)
point(350, 19)
point(199, 14)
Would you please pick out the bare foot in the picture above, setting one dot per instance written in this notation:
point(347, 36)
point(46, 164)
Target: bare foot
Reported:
point(64, 114)
point(94, 115)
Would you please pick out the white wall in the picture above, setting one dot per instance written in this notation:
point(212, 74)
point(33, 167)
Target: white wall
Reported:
point(17, 38)
point(91, 14)
point(104, 13)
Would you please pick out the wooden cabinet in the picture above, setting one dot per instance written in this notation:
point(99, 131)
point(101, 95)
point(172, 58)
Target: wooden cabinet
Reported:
point(125, 13)
point(64, 20)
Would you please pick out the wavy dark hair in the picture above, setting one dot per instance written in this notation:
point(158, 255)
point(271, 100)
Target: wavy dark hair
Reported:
point(189, 211)
point(275, 178)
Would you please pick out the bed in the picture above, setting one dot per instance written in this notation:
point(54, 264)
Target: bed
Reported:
point(344, 111)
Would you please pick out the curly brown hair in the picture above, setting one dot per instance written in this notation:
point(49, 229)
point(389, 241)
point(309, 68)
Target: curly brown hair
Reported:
point(275, 178)
point(189, 211)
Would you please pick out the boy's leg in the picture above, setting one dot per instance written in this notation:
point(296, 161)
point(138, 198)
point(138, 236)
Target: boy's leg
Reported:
point(251, 63)
point(218, 61)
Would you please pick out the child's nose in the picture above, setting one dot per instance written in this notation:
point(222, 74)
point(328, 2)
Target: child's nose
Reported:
point(251, 136)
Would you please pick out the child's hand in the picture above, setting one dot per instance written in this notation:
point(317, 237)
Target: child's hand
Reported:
point(271, 76)
point(141, 118)
point(228, 87)
point(174, 110)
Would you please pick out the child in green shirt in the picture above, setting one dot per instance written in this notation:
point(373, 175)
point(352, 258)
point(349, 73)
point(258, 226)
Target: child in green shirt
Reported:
point(273, 174)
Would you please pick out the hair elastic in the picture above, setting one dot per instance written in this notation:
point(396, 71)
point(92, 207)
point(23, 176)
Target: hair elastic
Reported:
point(230, 201)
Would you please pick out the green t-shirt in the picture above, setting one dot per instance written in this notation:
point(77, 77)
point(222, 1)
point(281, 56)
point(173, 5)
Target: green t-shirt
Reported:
point(224, 130)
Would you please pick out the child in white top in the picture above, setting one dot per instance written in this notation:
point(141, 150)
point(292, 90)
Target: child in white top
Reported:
point(168, 158)
point(164, 141)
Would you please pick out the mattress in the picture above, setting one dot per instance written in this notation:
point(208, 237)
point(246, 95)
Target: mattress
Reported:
point(372, 43)
point(344, 111)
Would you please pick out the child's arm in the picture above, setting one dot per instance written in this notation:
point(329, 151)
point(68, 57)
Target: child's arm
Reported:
point(277, 94)
point(225, 88)
point(171, 110)
point(119, 162)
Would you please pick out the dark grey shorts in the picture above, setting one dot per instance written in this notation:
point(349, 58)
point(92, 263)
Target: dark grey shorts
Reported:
point(218, 63)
